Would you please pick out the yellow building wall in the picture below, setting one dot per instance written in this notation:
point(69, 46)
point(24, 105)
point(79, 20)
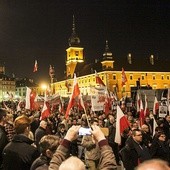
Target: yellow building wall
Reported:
point(113, 80)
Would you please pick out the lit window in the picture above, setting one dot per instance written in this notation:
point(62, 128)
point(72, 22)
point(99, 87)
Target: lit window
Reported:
point(162, 77)
point(168, 77)
point(153, 77)
point(114, 77)
point(131, 77)
point(143, 77)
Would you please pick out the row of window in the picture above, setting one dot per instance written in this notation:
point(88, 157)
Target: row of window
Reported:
point(143, 77)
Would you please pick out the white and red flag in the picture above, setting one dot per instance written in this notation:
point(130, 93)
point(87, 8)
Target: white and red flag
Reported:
point(124, 78)
point(141, 114)
point(155, 106)
point(138, 103)
point(45, 111)
point(146, 111)
point(75, 94)
point(121, 124)
point(30, 99)
point(99, 80)
point(35, 66)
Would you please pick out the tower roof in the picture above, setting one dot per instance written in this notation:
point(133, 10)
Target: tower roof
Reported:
point(74, 40)
point(107, 55)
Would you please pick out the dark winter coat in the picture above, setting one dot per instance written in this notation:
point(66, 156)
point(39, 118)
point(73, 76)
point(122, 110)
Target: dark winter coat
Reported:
point(160, 149)
point(41, 162)
point(3, 142)
point(19, 154)
point(133, 154)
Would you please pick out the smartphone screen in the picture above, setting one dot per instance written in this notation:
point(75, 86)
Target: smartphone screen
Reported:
point(84, 131)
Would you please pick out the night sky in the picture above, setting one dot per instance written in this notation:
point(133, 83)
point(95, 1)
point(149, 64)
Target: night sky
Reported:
point(39, 29)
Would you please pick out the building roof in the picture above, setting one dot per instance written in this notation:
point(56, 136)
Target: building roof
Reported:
point(25, 82)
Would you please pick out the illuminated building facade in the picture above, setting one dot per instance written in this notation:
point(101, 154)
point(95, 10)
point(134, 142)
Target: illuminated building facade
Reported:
point(7, 85)
point(145, 72)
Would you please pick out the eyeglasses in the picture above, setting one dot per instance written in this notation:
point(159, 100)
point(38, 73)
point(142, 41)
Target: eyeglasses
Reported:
point(139, 135)
point(163, 136)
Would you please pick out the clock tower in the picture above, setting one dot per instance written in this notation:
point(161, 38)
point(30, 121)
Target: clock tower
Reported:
point(107, 62)
point(74, 52)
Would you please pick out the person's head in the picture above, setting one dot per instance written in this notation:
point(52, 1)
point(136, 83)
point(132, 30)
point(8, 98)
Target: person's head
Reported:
point(22, 124)
point(137, 135)
point(111, 119)
point(147, 119)
point(145, 128)
point(167, 117)
point(135, 125)
point(43, 124)
point(2, 116)
point(48, 145)
point(72, 163)
point(62, 128)
point(160, 136)
point(154, 164)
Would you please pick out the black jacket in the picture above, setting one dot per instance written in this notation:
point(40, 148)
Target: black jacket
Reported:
point(41, 162)
point(19, 154)
point(3, 142)
point(160, 150)
point(133, 154)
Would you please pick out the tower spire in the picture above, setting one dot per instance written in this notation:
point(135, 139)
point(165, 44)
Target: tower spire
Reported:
point(74, 40)
point(73, 28)
point(107, 63)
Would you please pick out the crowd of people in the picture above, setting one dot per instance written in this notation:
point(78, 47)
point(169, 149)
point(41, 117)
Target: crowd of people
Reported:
point(28, 143)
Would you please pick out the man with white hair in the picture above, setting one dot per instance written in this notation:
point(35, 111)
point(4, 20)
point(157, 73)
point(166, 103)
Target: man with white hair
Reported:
point(40, 132)
point(153, 164)
point(60, 161)
point(72, 163)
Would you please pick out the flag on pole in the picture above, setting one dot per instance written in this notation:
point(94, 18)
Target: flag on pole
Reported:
point(124, 78)
point(45, 111)
point(98, 79)
point(75, 94)
point(138, 103)
point(121, 124)
point(146, 111)
point(154, 126)
point(141, 115)
point(155, 106)
point(30, 99)
point(35, 66)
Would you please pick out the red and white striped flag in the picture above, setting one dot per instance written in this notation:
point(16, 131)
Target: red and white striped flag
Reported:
point(141, 115)
point(75, 94)
point(98, 79)
point(138, 103)
point(146, 111)
point(35, 66)
point(30, 99)
point(155, 106)
point(121, 124)
point(124, 78)
point(45, 111)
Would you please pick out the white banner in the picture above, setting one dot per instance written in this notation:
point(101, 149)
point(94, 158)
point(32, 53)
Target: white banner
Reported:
point(98, 98)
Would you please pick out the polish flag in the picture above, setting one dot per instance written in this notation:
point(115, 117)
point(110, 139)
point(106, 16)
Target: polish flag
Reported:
point(154, 126)
point(75, 94)
point(124, 78)
point(146, 111)
point(155, 106)
point(30, 99)
point(35, 66)
point(107, 104)
point(138, 103)
point(99, 80)
point(45, 112)
point(141, 115)
point(121, 124)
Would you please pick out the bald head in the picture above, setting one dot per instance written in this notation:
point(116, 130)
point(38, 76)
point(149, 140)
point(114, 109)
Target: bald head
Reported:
point(154, 164)
point(72, 163)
